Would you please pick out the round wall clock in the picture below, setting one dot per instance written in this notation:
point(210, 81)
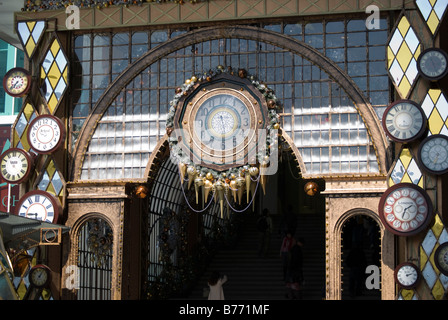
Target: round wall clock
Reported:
point(405, 209)
point(441, 258)
point(40, 276)
point(16, 165)
point(407, 275)
point(17, 82)
point(433, 154)
point(219, 122)
point(39, 205)
point(404, 121)
point(432, 64)
point(46, 134)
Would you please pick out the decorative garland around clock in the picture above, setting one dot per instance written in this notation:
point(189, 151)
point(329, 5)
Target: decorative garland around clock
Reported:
point(236, 180)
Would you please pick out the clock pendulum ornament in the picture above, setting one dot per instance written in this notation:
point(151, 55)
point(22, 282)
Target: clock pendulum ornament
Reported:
point(432, 64)
point(17, 82)
point(433, 154)
point(39, 205)
point(405, 209)
point(46, 134)
point(441, 258)
point(404, 121)
point(407, 275)
point(16, 165)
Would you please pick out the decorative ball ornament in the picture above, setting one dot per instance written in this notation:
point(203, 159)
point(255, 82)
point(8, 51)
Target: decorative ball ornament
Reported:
point(141, 192)
point(311, 188)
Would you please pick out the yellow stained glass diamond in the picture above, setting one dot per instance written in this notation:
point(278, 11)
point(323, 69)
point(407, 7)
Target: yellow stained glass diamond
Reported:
point(30, 33)
point(435, 106)
point(402, 53)
point(406, 170)
point(432, 12)
point(54, 75)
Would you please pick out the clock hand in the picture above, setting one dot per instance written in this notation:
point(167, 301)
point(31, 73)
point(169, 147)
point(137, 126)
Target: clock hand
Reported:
point(404, 211)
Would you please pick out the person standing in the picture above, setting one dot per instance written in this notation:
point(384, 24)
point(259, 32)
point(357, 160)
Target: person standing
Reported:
point(287, 243)
point(215, 283)
point(296, 269)
point(264, 226)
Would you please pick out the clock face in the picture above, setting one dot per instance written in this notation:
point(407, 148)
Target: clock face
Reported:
point(39, 205)
point(404, 121)
point(17, 82)
point(433, 154)
point(16, 165)
point(405, 209)
point(39, 276)
point(46, 134)
point(220, 122)
point(407, 275)
point(441, 258)
point(432, 64)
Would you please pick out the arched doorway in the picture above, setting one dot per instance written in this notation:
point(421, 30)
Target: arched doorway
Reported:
point(360, 248)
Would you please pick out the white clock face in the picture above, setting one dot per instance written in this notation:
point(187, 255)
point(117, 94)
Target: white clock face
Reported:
point(403, 121)
point(405, 209)
point(39, 277)
point(37, 206)
point(222, 122)
point(14, 165)
point(407, 275)
point(433, 63)
point(434, 154)
point(45, 134)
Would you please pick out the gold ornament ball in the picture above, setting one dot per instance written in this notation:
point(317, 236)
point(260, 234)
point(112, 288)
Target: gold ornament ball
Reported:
point(311, 188)
point(141, 192)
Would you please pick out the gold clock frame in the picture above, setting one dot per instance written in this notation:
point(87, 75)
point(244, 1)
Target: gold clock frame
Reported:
point(188, 106)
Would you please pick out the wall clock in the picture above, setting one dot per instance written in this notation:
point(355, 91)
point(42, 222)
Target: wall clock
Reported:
point(46, 134)
point(39, 205)
point(407, 275)
point(405, 209)
point(219, 122)
point(433, 154)
point(16, 165)
point(441, 258)
point(40, 276)
point(404, 121)
point(17, 82)
point(432, 64)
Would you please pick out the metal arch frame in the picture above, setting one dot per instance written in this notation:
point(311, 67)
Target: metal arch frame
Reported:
point(245, 32)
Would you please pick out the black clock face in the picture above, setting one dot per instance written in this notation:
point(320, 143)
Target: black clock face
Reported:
point(405, 209)
point(16, 165)
point(17, 82)
point(433, 154)
point(432, 64)
point(441, 258)
point(407, 275)
point(404, 121)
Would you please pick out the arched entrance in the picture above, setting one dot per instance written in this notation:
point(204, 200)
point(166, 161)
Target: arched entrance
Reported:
point(361, 239)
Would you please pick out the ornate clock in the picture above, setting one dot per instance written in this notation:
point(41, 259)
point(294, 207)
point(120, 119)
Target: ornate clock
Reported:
point(441, 258)
point(40, 276)
point(433, 154)
point(432, 64)
point(17, 82)
point(46, 134)
point(220, 120)
point(404, 121)
point(39, 205)
point(405, 209)
point(407, 275)
point(16, 165)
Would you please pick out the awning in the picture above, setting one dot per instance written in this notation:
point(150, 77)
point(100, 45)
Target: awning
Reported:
point(25, 232)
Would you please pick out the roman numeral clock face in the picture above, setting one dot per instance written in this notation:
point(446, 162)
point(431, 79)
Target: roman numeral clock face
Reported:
point(39, 205)
point(16, 165)
point(404, 121)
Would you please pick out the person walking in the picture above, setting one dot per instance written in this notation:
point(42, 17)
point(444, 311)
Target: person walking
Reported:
point(215, 283)
point(287, 243)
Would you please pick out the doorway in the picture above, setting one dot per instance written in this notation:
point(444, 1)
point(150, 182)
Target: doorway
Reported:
point(360, 248)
